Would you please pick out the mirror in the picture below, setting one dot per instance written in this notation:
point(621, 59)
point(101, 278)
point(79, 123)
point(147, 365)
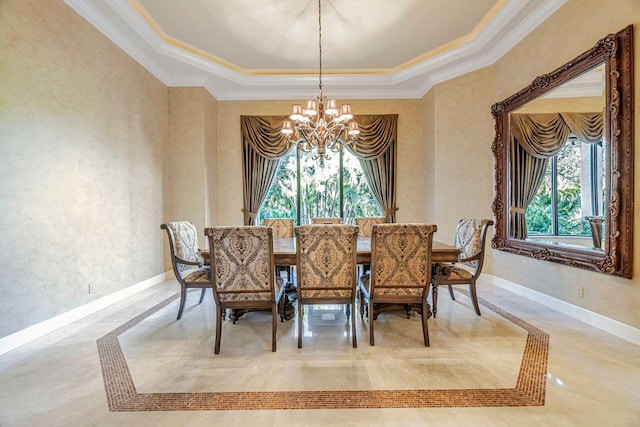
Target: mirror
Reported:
point(563, 153)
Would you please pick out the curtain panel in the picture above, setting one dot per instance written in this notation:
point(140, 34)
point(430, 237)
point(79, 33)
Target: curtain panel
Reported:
point(376, 149)
point(534, 139)
point(263, 144)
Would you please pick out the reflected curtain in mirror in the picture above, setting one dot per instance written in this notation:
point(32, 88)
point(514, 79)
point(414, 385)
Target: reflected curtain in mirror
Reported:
point(534, 139)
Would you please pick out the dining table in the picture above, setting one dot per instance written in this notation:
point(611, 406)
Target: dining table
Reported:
point(284, 252)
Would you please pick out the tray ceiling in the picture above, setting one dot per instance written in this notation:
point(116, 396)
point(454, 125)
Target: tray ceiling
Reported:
point(245, 49)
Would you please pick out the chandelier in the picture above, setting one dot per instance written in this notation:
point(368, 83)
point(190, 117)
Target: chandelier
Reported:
point(321, 126)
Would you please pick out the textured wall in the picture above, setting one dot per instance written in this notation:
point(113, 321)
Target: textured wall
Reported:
point(412, 171)
point(429, 141)
point(578, 24)
point(189, 156)
point(462, 158)
point(82, 129)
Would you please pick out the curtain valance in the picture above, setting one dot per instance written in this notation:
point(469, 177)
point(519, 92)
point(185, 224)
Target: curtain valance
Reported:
point(544, 135)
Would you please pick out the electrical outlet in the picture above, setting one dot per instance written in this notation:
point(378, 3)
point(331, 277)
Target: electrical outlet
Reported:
point(580, 291)
point(92, 288)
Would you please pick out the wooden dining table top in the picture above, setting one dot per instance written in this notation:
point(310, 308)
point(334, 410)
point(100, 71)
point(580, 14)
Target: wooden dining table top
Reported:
point(284, 251)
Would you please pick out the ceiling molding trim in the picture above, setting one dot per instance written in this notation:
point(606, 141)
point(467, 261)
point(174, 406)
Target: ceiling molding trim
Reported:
point(473, 47)
point(117, 36)
point(515, 36)
point(530, 23)
point(178, 67)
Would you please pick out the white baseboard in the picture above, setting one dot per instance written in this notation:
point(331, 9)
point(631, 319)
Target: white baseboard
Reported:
point(31, 333)
point(599, 321)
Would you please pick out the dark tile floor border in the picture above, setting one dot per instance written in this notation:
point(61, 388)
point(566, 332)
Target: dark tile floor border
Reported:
point(122, 395)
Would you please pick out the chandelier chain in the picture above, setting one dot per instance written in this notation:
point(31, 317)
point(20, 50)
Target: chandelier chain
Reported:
point(320, 41)
point(322, 126)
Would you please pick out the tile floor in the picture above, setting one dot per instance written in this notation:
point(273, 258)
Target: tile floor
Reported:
point(134, 364)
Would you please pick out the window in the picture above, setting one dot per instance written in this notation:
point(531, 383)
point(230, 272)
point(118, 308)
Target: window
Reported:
point(572, 188)
point(303, 189)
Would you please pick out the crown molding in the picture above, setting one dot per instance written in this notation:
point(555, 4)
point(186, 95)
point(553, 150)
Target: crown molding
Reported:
point(174, 66)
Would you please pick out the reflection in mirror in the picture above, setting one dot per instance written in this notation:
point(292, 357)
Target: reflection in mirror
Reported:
point(557, 140)
point(564, 162)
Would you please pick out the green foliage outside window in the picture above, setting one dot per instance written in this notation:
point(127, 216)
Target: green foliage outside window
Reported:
point(570, 218)
point(319, 190)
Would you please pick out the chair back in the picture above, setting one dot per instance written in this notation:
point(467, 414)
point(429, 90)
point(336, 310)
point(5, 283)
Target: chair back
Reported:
point(242, 264)
point(470, 239)
point(365, 223)
point(401, 260)
point(326, 260)
point(183, 241)
point(326, 221)
point(282, 227)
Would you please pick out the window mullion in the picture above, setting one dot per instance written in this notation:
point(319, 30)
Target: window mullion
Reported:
point(554, 196)
point(298, 188)
point(341, 173)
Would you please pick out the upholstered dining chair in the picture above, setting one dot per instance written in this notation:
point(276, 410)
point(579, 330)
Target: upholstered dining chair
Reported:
point(326, 262)
point(365, 223)
point(364, 230)
point(470, 238)
point(242, 273)
point(282, 229)
point(186, 260)
point(400, 270)
point(326, 221)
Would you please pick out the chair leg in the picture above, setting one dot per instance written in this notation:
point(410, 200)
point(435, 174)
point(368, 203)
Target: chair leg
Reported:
point(474, 297)
point(216, 349)
point(353, 327)
point(425, 326)
point(183, 299)
point(371, 322)
point(300, 313)
point(434, 299)
point(361, 297)
point(451, 292)
point(202, 295)
point(274, 325)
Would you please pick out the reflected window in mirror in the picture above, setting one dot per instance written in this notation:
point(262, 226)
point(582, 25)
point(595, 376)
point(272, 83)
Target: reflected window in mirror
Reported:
point(570, 195)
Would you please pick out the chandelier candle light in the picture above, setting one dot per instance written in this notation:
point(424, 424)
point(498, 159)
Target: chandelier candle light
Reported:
point(321, 125)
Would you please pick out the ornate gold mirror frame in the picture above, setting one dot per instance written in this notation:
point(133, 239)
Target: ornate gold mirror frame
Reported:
point(616, 52)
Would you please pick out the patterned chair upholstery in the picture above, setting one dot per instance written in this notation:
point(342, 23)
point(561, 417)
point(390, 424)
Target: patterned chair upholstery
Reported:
point(186, 259)
point(326, 261)
point(470, 238)
point(243, 273)
point(282, 227)
point(365, 223)
point(326, 221)
point(400, 270)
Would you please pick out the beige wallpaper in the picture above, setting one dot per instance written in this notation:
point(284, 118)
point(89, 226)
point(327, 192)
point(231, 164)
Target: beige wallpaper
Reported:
point(463, 162)
point(578, 24)
point(82, 129)
point(189, 157)
point(412, 174)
